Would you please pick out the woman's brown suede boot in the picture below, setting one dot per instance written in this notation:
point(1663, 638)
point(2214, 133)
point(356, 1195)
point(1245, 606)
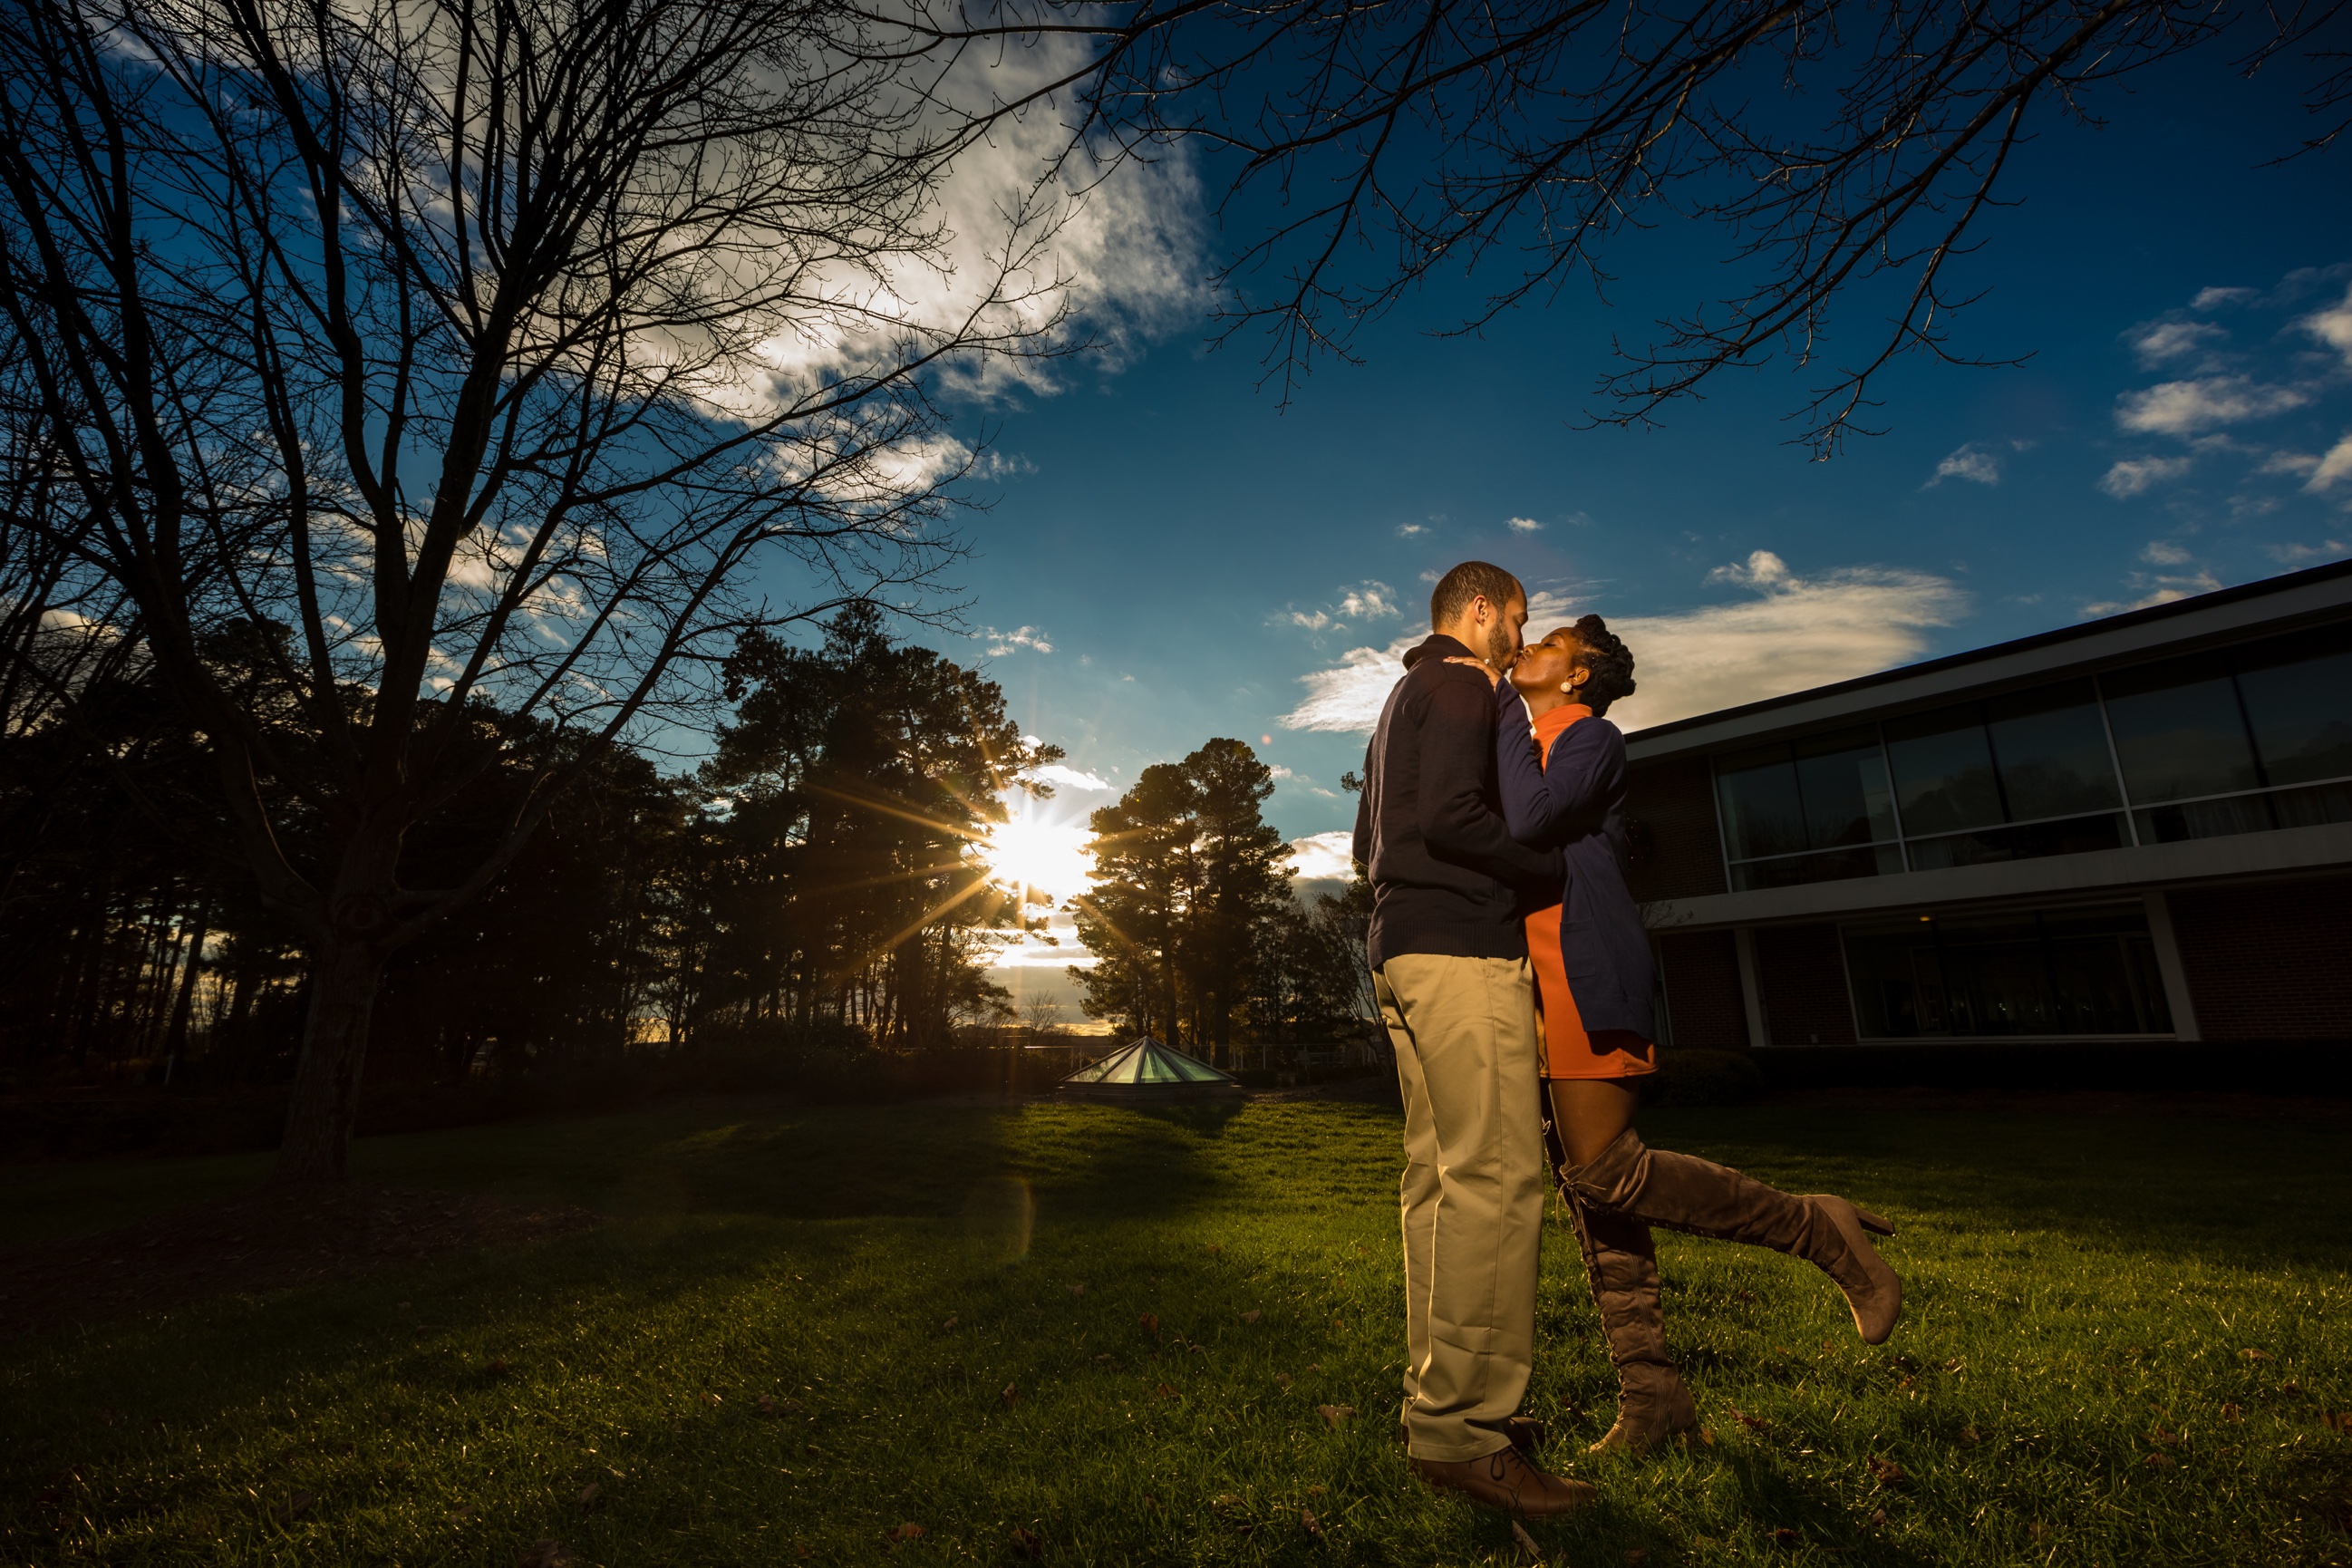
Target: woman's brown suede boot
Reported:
point(1622, 1266)
point(1702, 1198)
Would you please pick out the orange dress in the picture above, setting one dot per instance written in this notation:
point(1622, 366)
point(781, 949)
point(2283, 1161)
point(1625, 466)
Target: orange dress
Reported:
point(1568, 1051)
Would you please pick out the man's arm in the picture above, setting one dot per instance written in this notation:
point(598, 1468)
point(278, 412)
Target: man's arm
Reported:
point(1457, 740)
point(1563, 796)
point(1362, 849)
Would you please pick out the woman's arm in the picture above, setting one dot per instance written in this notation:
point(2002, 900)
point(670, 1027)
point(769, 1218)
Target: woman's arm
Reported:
point(1544, 804)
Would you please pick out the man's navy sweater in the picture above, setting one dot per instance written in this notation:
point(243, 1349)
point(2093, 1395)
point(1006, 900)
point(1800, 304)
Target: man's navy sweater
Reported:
point(1446, 874)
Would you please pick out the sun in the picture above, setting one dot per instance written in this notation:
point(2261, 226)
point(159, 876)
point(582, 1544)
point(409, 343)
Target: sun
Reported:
point(1032, 850)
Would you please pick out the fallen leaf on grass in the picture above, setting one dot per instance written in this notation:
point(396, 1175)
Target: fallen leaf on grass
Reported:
point(772, 1405)
point(587, 1498)
point(1635, 1557)
point(710, 1399)
point(1080, 1288)
point(1753, 1423)
point(1166, 1391)
point(802, 1551)
point(2251, 1354)
point(1335, 1413)
point(1745, 1295)
point(1283, 1378)
point(949, 1323)
point(1224, 1499)
point(2161, 1462)
point(545, 1554)
point(2162, 1436)
point(1027, 1542)
point(1706, 1435)
point(1889, 1473)
point(464, 1515)
point(908, 1531)
point(1151, 1322)
point(2036, 1530)
point(1012, 1392)
point(1878, 1518)
point(1106, 1356)
point(2292, 1389)
point(1252, 1316)
point(2229, 1412)
point(1314, 1491)
point(2340, 1422)
point(497, 1366)
point(1312, 1525)
point(1970, 1436)
point(1529, 1550)
point(1784, 1536)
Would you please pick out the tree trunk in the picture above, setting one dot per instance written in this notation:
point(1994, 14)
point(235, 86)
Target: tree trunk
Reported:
point(344, 977)
point(176, 1033)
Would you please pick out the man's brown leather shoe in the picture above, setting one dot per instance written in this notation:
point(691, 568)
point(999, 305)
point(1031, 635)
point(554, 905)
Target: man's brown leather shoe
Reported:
point(1504, 1479)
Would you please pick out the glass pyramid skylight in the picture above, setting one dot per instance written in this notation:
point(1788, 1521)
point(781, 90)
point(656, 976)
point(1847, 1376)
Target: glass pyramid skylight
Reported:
point(1145, 1062)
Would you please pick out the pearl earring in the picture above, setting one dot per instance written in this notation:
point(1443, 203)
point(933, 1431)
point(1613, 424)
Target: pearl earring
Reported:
point(1568, 687)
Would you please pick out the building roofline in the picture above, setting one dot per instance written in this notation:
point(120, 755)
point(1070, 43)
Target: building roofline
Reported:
point(2105, 626)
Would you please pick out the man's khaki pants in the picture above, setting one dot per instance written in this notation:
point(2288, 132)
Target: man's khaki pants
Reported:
point(1467, 1050)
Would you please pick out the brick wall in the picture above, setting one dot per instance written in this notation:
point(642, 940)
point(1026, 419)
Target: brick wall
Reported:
point(1670, 817)
point(1702, 974)
point(2269, 962)
point(1802, 975)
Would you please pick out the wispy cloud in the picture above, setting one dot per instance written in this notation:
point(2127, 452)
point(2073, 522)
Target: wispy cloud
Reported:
point(1002, 643)
point(1973, 462)
point(1325, 857)
point(2304, 554)
point(2335, 466)
point(2138, 475)
point(1072, 778)
point(2332, 326)
point(2220, 298)
point(2166, 552)
point(2161, 342)
point(1791, 632)
point(1367, 601)
point(2205, 402)
point(1412, 529)
point(1523, 525)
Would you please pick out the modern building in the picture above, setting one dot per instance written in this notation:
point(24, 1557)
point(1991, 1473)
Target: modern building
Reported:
point(2138, 829)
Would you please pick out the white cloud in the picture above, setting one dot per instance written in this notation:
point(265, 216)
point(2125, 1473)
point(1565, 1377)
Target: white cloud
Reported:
point(1072, 778)
point(2137, 475)
point(2337, 464)
point(2284, 462)
point(2214, 299)
point(2332, 326)
point(2164, 552)
point(2304, 554)
point(1970, 462)
point(2168, 590)
point(1276, 770)
point(1793, 634)
point(1325, 857)
point(1412, 529)
point(1367, 601)
point(1523, 525)
point(2158, 342)
point(1002, 643)
point(2185, 408)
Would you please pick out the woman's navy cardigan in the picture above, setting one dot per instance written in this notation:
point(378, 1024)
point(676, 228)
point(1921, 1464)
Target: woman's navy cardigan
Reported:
point(1574, 802)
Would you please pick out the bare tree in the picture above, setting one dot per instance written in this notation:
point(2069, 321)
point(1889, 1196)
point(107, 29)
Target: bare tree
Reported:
point(1839, 150)
point(476, 370)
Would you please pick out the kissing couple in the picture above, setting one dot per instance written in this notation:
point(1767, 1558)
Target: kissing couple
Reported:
point(1518, 986)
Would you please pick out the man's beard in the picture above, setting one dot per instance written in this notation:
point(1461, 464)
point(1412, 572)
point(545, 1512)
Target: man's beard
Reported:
point(1498, 647)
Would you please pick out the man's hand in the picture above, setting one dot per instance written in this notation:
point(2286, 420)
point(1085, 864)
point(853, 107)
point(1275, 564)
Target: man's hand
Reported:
point(1494, 676)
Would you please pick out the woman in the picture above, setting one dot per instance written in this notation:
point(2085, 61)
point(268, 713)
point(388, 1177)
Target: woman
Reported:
point(1595, 980)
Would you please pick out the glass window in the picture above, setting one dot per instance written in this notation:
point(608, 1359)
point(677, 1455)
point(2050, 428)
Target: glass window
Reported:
point(2298, 695)
point(2051, 751)
point(1943, 770)
point(1841, 779)
point(2057, 972)
point(2178, 729)
point(2069, 835)
point(1762, 813)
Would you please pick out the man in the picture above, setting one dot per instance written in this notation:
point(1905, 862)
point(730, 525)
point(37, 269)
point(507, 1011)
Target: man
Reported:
point(1449, 960)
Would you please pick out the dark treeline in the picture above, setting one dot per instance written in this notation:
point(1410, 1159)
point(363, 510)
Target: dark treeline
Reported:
point(817, 879)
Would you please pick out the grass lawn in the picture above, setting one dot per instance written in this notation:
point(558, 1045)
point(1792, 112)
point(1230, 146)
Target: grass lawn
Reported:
point(950, 1310)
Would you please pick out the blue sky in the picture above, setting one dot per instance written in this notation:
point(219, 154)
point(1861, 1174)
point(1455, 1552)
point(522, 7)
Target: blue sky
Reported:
point(1172, 555)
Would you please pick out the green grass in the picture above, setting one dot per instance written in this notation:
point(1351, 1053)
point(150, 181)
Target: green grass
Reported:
point(2074, 1285)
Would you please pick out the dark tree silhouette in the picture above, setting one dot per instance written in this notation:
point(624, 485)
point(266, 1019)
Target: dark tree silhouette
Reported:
point(485, 348)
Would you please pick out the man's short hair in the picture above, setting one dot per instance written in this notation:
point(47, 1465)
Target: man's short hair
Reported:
point(1471, 580)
